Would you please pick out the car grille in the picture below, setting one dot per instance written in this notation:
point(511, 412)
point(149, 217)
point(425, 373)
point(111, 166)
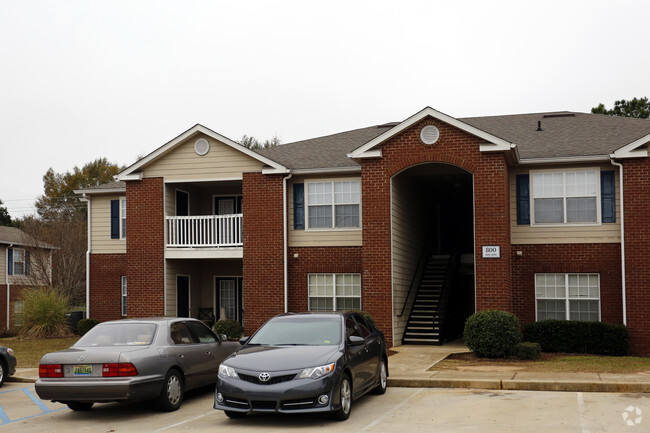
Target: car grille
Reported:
point(263, 405)
point(271, 381)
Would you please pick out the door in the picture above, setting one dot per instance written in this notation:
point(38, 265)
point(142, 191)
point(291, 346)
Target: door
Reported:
point(182, 296)
point(189, 354)
point(182, 203)
point(228, 296)
point(359, 358)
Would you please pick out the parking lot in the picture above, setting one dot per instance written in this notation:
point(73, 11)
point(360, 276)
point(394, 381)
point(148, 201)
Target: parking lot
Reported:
point(399, 410)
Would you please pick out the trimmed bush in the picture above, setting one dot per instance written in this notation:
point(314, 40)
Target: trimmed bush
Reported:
point(575, 336)
point(45, 314)
point(86, 325)
point(526, 350)
point(230, 327)
point(367, 316)
point(492, 333)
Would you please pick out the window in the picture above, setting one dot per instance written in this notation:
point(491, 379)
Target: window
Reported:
point(124, 292)
point(123, 218)
point(118, 219)
point(566, 197)
point(333, 204)
point(18, 261)
point(19, 312)
point(334, 292)
point(568, 296)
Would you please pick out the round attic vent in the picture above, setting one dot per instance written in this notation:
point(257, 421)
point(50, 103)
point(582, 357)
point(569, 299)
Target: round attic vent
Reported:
point(201, 146)
point(429, 134)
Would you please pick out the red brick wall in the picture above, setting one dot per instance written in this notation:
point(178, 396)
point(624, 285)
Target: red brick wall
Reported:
point(318, 260)
point(603, 259)
point(106, 271)
point(263, 249)
point(15, 294)
point(492, 222)
point(145, 246)
point(636, 174)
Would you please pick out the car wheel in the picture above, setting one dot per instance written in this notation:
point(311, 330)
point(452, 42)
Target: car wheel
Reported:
point(171, 395)
point(383, 379)
point(234, 415)
point(2, 372)
point(345, 399)
point(79, 406)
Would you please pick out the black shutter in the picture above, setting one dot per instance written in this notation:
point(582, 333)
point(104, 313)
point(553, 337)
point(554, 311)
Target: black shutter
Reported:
point(523, 199)
point(115, 219)
point(27, 263)
point(298, 206)
point(10, 261)
point(608, 196)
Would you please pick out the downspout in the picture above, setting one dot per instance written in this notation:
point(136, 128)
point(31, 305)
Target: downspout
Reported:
point(286, 243)
point(623, 290)
point(88, 262)
point(8, 286)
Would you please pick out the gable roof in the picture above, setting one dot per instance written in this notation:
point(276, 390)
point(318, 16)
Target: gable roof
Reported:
point(105, 188)
point(133, 171)
point(15, 236)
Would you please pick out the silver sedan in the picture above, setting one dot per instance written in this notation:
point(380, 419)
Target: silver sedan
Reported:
point(129, 360)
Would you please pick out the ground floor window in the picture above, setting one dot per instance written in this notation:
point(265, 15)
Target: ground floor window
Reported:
point(123, 295)
point(334, 292)
point(568, 296)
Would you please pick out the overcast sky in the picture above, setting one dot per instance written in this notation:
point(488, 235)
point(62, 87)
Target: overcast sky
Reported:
point(80, 80)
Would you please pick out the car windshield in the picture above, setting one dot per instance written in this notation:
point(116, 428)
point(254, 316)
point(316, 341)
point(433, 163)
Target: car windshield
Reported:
point(307, 330)
point(118, 334)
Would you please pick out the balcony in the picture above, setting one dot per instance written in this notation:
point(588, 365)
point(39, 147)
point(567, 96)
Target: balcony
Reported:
point(204, 232)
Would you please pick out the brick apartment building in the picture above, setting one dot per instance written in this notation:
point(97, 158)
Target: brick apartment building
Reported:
point(420, 223)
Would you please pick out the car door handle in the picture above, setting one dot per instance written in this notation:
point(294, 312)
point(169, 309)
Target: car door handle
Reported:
point(181, 356)
point(208, 353)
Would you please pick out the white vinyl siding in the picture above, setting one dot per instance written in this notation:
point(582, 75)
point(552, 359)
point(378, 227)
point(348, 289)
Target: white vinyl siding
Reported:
point(100, 232)
point(568, 296)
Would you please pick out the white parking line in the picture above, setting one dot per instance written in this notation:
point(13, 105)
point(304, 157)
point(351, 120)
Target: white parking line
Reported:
point(183, 422)
point(390, 412)
point(583, 414)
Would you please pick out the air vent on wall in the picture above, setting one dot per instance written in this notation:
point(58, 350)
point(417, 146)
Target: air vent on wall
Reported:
point(429, 134)
point(201, 146)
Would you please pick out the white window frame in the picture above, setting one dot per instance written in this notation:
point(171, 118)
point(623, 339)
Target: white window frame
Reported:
point(334, 294)
point(332, 204)
point(565, 196)
point(124, 294)
point(567, 298)
point(14, 261)
point(122, 217)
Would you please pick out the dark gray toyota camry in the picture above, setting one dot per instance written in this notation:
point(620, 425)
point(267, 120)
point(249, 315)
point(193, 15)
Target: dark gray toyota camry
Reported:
point(308, 362)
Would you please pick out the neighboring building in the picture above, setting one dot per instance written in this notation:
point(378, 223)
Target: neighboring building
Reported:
point(26, 263)
point(420, 223)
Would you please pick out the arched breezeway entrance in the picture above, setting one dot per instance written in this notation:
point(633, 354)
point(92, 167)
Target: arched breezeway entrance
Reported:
point(432, 244)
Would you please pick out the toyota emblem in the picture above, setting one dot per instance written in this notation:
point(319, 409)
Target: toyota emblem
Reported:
point(81, 358)
point(264, 377)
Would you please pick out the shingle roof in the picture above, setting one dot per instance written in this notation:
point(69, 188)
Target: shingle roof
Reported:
point(13, 235)
point(105, 187)
point(563, 134)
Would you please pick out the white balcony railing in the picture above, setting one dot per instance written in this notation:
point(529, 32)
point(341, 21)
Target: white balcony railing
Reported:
point(204, 231)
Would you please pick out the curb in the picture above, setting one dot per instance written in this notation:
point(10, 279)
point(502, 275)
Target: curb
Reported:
point(20, 379)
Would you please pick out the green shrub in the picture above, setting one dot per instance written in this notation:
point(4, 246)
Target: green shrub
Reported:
point(492, 333)
point(575, 336)
point(367, 316)
point(86, 325)
point(230, 327)
point(45, 314)
point(526, 350)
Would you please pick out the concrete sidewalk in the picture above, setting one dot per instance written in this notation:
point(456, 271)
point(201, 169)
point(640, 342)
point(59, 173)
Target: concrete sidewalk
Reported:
point(409, 367)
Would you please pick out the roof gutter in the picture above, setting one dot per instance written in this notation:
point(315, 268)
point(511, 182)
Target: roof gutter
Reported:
point(623, 288)
point(88, 257)
point(8, 286)
point(285, 219)
point(567, 160)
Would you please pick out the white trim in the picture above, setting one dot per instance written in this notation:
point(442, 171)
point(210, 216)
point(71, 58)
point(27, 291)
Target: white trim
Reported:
point(565, 160)
point(285, 238)
point(332, 204)
point(88, 252)
point(622, 205)
point(122, 236)
point(632, 150)
point(133, 172)
point(238, 290)
point(567, 299)
point(202, 180)
point(84, 192)
point(333, 170)
point(334, 274)
point(204, 253)
point(124, 296)
point(365, 151)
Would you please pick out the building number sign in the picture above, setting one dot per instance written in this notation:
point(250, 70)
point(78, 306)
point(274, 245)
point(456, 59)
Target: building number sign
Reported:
point(491, 252)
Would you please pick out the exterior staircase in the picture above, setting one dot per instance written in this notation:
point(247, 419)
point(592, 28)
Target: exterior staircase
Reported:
point(424, 323)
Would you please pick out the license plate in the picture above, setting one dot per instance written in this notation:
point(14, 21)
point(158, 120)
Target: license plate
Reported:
point(83, 370)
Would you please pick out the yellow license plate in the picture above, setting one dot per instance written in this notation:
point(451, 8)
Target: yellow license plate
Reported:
point(83, 370)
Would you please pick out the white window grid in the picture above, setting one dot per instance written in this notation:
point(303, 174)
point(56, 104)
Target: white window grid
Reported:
point(334, 292)
point(566, 292)
point(581, 185)
point(123, 218)
point(18, 261)
point(333, 205)
point(124, 294)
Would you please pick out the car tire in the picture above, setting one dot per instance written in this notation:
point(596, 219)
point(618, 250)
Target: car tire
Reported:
point(3, 371)
point(345, 399)
point(79, 406)
point(383, 379)
point(171, 395)
point(234, 415)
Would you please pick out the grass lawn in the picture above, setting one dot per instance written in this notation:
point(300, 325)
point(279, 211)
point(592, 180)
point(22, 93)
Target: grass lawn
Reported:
point(29, 352)
point(549, 362)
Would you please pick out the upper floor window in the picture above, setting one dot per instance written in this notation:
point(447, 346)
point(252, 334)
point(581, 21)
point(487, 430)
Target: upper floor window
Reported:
point(118, 219)
point(18, 261)
point(565, 197)
point(333, 204)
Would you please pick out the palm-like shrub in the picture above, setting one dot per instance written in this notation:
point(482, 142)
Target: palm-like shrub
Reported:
point(45, 314)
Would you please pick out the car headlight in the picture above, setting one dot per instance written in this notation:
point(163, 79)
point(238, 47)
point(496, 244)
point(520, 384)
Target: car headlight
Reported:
point(225, 371)
point(317, 372)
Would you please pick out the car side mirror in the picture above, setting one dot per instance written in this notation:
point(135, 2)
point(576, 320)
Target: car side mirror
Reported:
point(243, 340)
point(223, 338)
point(355, 340)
